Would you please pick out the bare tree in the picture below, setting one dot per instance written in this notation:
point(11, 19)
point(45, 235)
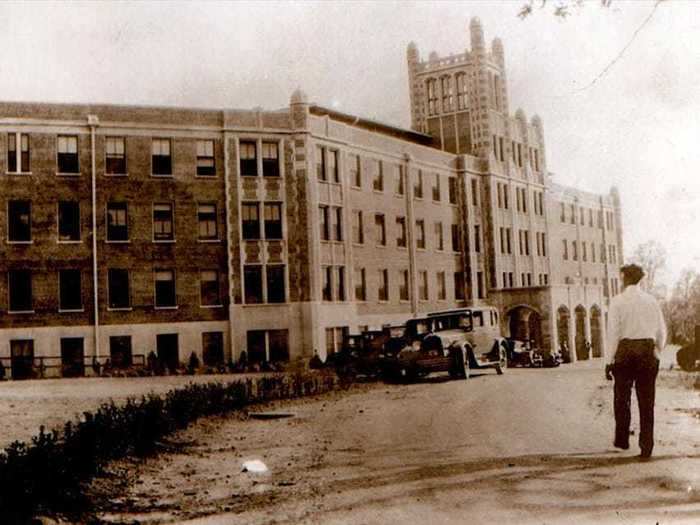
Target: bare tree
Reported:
point(651, 256)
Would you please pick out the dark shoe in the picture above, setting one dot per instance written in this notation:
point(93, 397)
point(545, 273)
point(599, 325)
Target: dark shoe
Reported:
point(644, 457)
point(646, 454)
point(623, 446)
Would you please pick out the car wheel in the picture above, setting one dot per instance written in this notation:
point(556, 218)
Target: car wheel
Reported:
point(464, 364)
point(502, 360)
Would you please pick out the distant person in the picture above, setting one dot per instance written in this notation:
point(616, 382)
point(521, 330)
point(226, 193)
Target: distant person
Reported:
point(636, 336)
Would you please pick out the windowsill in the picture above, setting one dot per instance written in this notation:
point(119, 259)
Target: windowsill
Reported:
point(437, 202)
point(383, 301)
point(401, 195)
point(198, 176)
point(68, 174)
point(20, 312)
point(116, 174)
point(166, 307)
point(401, 247)
point(71, 311)
point(358, 188)
point(114, 241)
point(211, 306)
point(120, 309)
point(421, 249)
point(380, 245)
point(278, 176)
point(19, 242)
point(358, 244)
point(162, 175)
point(417, 198)
point(258, 305)
point(209, 241)
point(164, 241)
point(381, 192)
point(404, 301)
point(18, 173)
point(70, 242)
point(249, 175)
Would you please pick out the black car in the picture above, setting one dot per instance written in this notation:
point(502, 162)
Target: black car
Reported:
point(363, 354)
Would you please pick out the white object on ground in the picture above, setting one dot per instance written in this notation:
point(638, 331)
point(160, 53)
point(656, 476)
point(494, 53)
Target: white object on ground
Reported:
point(255, 466)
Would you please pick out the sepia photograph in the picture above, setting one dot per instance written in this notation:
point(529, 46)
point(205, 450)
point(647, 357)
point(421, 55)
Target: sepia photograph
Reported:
point(350, 262)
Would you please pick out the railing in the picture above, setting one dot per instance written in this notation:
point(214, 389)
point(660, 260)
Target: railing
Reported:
point(21, 367)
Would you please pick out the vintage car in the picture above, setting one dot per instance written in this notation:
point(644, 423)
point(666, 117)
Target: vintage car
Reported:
point(454, 341)
point(362, 354)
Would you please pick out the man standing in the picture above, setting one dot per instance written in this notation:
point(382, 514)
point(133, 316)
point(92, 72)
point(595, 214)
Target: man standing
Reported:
point(636, 336)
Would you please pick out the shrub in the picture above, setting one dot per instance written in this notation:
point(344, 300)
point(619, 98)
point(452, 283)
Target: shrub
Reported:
point(47, 475)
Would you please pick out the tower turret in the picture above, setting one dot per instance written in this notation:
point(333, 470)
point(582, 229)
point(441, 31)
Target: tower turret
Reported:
point(477, 36)
point(497, 52)
point(414, 89)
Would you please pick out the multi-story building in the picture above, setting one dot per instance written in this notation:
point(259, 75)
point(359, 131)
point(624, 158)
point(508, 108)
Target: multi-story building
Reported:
point(131, 229)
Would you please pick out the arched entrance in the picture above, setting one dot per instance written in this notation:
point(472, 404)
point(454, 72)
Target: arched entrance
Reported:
point(525, 324)
point(563, 333)
point(580, 341)
point(596, 332)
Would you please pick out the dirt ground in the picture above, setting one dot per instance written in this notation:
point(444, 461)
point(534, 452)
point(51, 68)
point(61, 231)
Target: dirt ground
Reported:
point(531, 446)
point(26, 405)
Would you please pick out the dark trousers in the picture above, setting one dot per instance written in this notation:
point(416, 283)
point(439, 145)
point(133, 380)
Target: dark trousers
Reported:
point(635, 364)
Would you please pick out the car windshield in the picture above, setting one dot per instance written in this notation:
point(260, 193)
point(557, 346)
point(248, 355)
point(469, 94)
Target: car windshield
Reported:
point(452, 322)
point(422, 327)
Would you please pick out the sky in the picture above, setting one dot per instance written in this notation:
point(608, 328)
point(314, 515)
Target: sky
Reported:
point(636, 127)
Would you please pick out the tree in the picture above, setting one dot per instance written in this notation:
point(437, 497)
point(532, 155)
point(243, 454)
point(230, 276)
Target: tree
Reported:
point(651, 256)
point(562, 8)
point(682, 310)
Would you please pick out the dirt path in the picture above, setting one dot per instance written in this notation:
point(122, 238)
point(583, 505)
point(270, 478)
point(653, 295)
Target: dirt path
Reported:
point(532, 446)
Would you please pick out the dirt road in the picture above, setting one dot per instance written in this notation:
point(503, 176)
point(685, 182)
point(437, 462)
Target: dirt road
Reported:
point(531, 446)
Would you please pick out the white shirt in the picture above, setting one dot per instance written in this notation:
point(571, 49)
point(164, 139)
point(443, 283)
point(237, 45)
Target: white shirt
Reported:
point(634, 314)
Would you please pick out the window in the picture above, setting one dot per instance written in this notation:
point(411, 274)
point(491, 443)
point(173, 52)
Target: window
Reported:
point(70, 294)
point(117, 221)
point(432, 96)
point(380, 229)
point(355, 165)
point(439, 237)
point(477, 238)
point(205, 158)
point(118, 288)
point(562, 213)
point(19, 223)
point(115, 156)
point(583, 216)
point(120, 353)
point(273, 220)
point(383, 291)
point(401, 238)
point(332, 160)
point(18, 163)
point(452, 189)
point(420, 234)
point(337, 226)
point(161, 161)
point(574, 251)
point(206, 219)
point(592, 252)
point(400, 180)
point(360, 284)
point(20, 290)
point(565, 255)
point(325, 226)
point(270, 159)
point(213, 348)
point(209, 288)
point(404, 286)
point(418, 185)
point(456, 244)
point(163, 229)
point(68, 154)
point(378, 181)
point(526, 240)
point(480, 285)
point(249, 158)
point(502, 232)
point(446, 87)
point(68, 221)
point(461, 79)
point(275, 283)
point(165, 296)
point(327, 285)
point(268, 345)
point(321, 163)
point(251, 220)
point(334, 339)
point(340, 283)
point(436, 188)
point(358, 234)
point(459, 286)
point(423, 285)
point(442, 291)
point(475, 192)
point(573, 213)
point(590, 217)
point(584, 255)
point(252, 281)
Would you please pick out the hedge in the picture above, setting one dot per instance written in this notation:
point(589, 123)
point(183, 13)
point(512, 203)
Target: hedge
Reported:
point(46, 476)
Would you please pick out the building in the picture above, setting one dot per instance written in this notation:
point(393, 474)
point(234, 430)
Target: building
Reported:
point(132, 230)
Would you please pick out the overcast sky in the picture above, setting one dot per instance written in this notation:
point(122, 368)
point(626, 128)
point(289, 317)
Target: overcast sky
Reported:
point(637, 127)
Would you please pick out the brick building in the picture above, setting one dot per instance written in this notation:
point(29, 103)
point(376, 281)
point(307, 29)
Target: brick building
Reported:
point(138, 229)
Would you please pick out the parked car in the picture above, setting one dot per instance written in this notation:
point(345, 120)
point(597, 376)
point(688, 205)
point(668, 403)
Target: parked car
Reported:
point(362, 354)
point(519, 353)
point(454, 341)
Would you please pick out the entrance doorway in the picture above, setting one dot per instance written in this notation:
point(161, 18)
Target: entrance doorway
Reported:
point(581, 351)
point(563, 333)
point(525, 325)
point(22, 358)
point(72, 357)
point(168, 352)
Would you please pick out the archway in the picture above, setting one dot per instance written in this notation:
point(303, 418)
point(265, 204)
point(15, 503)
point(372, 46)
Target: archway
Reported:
point(525, 324)
point(596, 332)
point(580, 341)
point(563, 333)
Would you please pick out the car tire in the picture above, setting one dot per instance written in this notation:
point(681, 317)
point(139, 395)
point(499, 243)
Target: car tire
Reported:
point(462, 365)
point(502, 361)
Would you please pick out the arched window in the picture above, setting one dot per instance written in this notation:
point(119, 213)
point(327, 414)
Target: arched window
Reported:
point(446, 87)
point(432, 96)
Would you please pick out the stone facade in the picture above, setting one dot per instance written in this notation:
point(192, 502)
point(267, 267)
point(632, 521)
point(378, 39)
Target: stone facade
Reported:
point(326, 223)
